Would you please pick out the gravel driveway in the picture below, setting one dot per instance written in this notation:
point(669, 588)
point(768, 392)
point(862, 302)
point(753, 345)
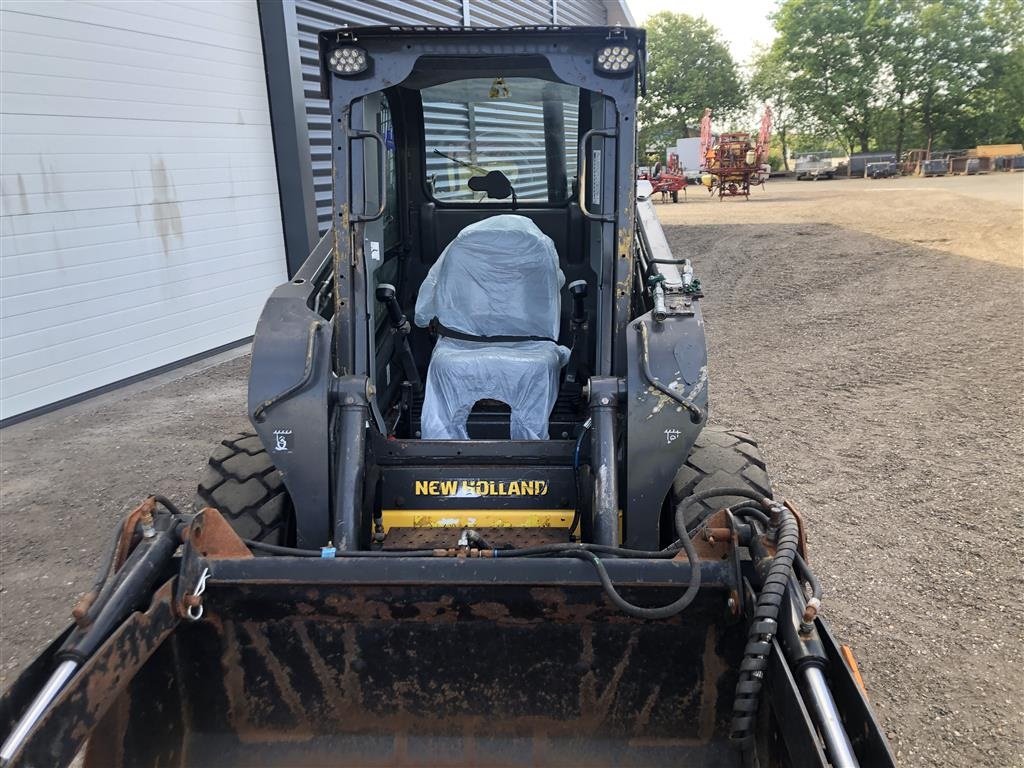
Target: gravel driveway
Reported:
point(869, 333)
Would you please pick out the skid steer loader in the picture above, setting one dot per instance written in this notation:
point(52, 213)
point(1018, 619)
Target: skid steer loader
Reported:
point(481, 519)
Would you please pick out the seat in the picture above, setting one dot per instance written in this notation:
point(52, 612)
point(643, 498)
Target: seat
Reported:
point(498, 278)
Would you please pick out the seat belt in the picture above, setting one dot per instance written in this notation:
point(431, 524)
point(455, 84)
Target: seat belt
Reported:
point(442, 330)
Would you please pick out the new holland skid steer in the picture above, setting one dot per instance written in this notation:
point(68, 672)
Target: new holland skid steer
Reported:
point(481, 519)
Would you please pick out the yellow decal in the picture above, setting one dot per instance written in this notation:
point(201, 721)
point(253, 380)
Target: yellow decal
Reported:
point(478, 488)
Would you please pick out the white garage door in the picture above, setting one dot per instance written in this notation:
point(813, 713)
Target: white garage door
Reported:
point(140, 221)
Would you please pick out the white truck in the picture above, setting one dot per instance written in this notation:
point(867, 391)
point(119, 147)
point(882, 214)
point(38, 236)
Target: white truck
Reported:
point(688, 151)
point(814, 166)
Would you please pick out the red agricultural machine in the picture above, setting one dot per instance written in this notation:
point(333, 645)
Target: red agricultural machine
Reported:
point(667, 179)
point(731, 162)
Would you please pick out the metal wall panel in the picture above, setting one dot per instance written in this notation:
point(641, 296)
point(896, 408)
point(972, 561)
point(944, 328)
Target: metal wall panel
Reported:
point(509, 13)
point(510, 138)
point(581, 13)
point(141, 223)
point(316, 15)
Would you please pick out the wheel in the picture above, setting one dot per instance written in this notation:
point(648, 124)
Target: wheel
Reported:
point(675, 196)
point(242, 483)
point(720, 457)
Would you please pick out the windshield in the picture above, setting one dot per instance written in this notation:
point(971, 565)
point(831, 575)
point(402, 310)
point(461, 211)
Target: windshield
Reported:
point(479, 125)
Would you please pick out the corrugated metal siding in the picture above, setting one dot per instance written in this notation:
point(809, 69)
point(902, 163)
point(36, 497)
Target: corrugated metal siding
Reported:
point(316, 15)
point(582, 13)
point(509, 137)
point(140, 214)
point(509, 13)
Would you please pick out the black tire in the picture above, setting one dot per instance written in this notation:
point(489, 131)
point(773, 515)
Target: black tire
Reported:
point(675, 196)
point(242, 483)
point(720, 458)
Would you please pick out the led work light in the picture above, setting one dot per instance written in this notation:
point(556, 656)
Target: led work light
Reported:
point(615, 59)
point(347, 60)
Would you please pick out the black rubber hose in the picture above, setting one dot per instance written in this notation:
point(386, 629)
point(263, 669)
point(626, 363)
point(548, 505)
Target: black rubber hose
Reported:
point(762, 630)
point(578, 514)
point(746, 509)
point(570, 548)
point(807, 575)
point(108, 561)
point(804, 571)
point(710, 493)
point(167, 504)
point(639, 611)
point(293, 552)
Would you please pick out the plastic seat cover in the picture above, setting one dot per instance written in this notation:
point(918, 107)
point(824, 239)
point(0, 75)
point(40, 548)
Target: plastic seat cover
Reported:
point(498, 277)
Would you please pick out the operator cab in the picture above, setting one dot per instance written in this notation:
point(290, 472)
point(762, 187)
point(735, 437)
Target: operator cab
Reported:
point(480, 234)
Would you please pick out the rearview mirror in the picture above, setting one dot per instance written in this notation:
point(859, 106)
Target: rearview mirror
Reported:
point(495, 184)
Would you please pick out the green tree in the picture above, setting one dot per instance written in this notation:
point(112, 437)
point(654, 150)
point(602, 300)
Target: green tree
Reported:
point(772, 83)
point(995, 105)
point(689, 68)
point(950, 50)
point(831, 52)
point(897, 46)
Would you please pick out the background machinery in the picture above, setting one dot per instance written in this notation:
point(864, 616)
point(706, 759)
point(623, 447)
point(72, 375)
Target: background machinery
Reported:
point(734, 162)
point(573, 569)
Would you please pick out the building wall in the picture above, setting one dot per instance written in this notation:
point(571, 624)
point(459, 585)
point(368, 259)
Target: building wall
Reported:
point(141, 219)
point(146, 171)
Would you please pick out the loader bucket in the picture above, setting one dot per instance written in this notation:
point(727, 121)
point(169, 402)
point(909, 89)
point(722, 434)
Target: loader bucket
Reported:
point(407, 662)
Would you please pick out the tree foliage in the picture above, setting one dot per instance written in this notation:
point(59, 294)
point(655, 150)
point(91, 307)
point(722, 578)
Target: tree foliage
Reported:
point(689, 69)
point(893, 74)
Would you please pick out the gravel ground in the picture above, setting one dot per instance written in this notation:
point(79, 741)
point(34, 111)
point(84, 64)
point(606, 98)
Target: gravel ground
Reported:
point(869, 333)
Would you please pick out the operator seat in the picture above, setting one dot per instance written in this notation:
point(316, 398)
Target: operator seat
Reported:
point(493, 298)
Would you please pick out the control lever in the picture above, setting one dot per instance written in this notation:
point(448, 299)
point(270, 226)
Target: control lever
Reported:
point(387, 296)
point(578, 291)
point(580, 325)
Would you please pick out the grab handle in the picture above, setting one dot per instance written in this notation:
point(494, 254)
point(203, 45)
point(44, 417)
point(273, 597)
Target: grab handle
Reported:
point(608, 133)
point(356, 134)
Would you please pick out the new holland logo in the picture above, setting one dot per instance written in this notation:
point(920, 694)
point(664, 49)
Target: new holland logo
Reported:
point(472, 489)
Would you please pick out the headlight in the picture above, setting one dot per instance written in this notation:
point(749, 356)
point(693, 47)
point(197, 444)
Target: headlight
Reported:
point(614, 59)
point(347, 60)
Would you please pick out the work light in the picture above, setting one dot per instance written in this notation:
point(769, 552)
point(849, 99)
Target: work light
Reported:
point(348, 60)
point(614, 59)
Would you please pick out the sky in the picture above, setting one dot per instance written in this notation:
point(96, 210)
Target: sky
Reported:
point(742, 24)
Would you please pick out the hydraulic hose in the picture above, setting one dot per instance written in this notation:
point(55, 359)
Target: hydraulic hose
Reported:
point(108, 561)
point(567, 548)
point(638, 611)
point(294, 552)
point(762, 630)
point(745, 509)
point(578, 514)
point(167, 504)
point(806, 574)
